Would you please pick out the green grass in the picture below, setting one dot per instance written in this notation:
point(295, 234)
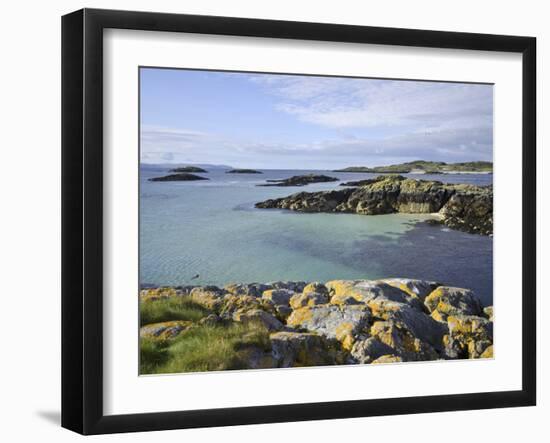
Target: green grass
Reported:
point(173, 308)
point(204, 348)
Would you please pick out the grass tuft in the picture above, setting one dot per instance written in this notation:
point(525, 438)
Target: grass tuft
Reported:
point(205, 348)
point(169, 309)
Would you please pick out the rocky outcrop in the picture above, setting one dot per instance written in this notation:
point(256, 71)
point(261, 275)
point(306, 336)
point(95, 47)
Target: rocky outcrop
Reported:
point(180, 177)
point(243, 171)
point(336, 322)
point(300, 180)
point(463, 207)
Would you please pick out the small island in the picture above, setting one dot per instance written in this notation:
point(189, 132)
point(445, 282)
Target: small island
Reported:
point(301, 180)
point(462, 207)
point(426, 167)
point(243, 171)
point(182, 177)
point(188, 169)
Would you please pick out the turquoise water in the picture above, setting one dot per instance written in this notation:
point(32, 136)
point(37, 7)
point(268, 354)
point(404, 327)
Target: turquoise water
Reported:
point(211, 228)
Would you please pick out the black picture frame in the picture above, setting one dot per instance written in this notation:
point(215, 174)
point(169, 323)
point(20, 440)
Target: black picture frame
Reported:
point(82, 218)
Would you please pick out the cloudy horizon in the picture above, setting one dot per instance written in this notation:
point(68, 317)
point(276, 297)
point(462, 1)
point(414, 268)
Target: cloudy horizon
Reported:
point(309, 122)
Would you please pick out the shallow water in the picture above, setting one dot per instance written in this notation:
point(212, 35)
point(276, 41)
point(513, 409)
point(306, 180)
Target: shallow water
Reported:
point(211, 228)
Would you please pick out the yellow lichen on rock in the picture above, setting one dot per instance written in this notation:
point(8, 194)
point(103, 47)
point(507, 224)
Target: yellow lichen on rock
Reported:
point(387, 359)
point(164, 330)
point(488, 353)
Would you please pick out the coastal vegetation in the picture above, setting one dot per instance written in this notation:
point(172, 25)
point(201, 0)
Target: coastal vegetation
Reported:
point(183, 176)
point(463, 207)
point(291, 324)
point(426, 167)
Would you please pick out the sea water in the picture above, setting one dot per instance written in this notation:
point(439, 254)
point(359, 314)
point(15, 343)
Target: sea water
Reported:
point(211, 229)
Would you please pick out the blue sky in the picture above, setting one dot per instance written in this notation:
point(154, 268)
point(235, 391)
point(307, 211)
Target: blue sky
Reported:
point(307, 122)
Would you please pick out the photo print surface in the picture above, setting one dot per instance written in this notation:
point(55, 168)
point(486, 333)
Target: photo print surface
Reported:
point(300, 220)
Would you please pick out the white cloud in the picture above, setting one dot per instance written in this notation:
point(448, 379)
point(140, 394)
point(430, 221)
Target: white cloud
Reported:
point(367, 103)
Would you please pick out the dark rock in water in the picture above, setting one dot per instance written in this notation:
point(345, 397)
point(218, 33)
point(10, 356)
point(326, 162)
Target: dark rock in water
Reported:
point(463, 207)
point(184, 176)
point(301, 180)
point(188, 169)
point(243, 171)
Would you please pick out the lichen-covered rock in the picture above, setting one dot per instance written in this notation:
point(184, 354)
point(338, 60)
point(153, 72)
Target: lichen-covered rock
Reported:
point(488, 353)
point(415, 288)
point(308, 299)
point(350, 292)
point(402, 341)
point(420, 325)
point(315, 287)
point(208, 296)
point(293, 349)
point(342, 323)
point(153, 294)
point(453, 301)
point(164, 330)
point(369, 349)
point(387, 359)
point(488, 311)
point(251, 289)
point(296, 286)
point(278, 296)
point(469, 336)
point(232, 303)
point(257, 316)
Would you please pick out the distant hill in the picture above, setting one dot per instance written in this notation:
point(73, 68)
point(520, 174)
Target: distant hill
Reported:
point(426, 167)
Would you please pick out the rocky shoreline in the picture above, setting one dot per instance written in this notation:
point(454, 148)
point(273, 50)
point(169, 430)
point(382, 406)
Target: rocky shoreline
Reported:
point(292, 324)
point(462, 207)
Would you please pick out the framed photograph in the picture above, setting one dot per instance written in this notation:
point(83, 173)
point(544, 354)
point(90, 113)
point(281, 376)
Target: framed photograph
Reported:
point(268, 221)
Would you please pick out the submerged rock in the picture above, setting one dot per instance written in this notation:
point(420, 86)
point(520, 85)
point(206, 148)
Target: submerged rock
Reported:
point(464, 207)
point(301, 180)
